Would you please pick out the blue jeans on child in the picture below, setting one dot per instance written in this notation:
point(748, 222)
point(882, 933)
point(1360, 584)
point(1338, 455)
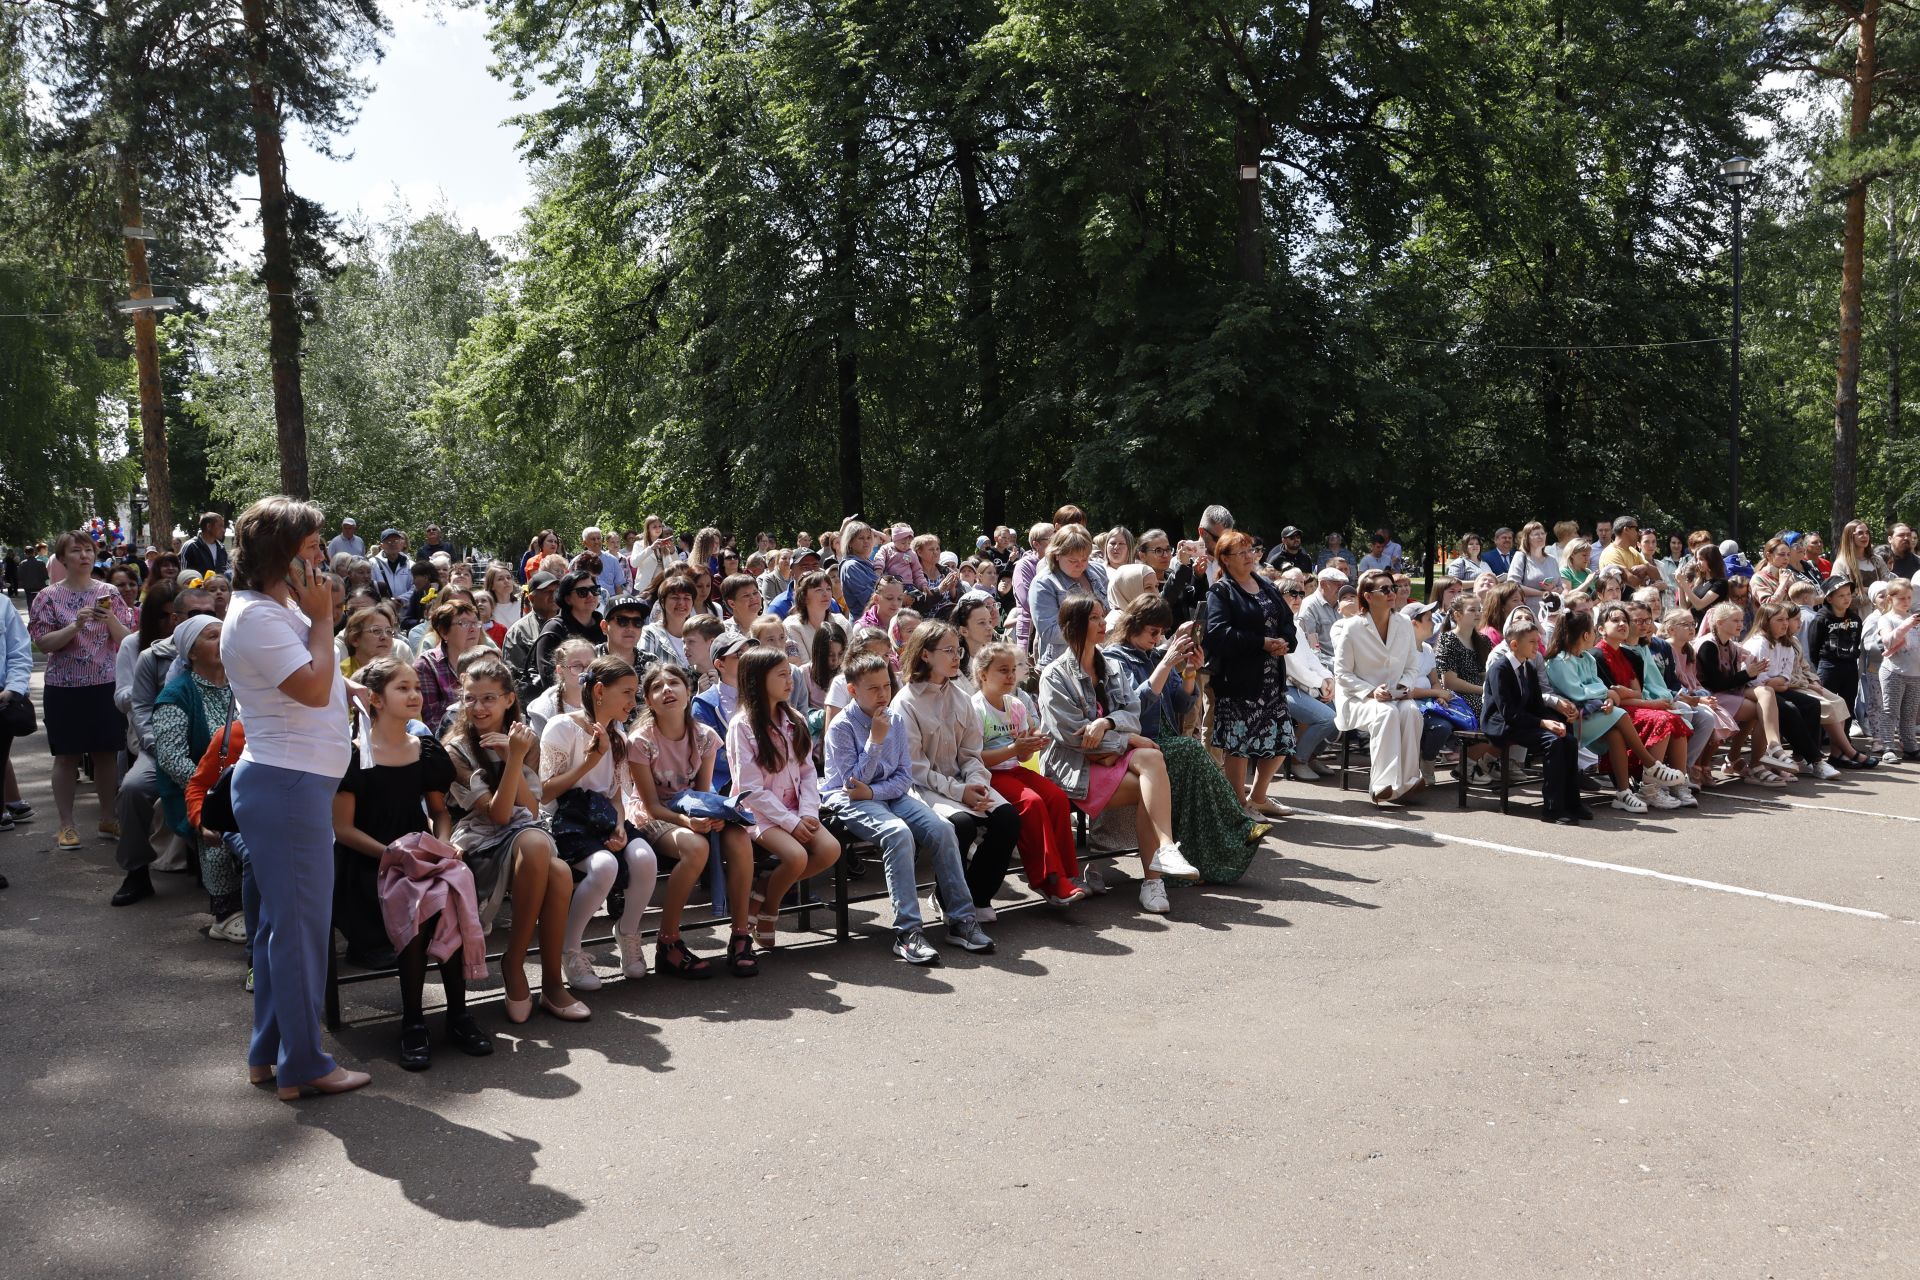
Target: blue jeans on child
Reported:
point(901, 828)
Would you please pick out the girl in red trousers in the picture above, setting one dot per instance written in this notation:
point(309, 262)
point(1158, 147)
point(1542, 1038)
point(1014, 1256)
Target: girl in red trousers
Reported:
point(1011, 728)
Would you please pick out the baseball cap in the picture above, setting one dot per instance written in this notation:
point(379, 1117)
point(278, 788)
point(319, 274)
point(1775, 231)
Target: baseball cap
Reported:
point(981, 542)
point(541, 581)
point(731, 643)
point(1417, 610)
point(803, 553)
point(350, 520)
point(1290, 532)
point(386, 533)
point(1791, 536)
point(1834, 583)
point(629, 604)
point(1331, 574)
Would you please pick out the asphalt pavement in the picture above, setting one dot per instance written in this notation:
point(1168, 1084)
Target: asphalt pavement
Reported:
point(1436, 1043)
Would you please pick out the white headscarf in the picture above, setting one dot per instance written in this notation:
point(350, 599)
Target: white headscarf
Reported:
point(184, 637)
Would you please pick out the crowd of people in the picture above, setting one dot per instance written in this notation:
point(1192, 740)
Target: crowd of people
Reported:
point(394, 743)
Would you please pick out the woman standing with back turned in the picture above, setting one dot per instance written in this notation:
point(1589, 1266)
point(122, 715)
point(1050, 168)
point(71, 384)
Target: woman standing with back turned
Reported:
point(278, 650)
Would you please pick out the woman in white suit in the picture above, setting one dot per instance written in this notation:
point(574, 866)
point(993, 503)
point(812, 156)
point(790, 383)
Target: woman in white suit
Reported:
point(1374, 664)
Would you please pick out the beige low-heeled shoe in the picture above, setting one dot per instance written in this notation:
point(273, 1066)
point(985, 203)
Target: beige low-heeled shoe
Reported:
point(338, 1080)
point(573, 1012)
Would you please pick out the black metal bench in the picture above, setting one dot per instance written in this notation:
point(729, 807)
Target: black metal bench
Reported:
point(802, 906)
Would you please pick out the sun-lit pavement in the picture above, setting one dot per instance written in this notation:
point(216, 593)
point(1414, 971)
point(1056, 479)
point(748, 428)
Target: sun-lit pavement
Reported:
point(1402, 1045)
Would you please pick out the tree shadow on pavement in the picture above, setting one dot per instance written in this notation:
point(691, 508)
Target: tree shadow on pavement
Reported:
point(448, 1169)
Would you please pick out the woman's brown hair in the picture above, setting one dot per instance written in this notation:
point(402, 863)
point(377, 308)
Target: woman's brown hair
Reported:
point(1149, 609)
point(267, 538)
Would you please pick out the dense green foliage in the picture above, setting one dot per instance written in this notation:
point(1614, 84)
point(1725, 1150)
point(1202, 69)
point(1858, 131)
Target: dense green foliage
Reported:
point(960, 260)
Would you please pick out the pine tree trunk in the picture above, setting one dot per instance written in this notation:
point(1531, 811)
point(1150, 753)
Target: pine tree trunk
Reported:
point(985, 333)
point(277, 271)
point(1846, 397)
point(1896, 316)
point(146, 359)
point(846, 339)
point(1249, 248)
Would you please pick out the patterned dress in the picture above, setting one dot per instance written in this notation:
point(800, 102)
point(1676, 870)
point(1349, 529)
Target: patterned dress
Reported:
point(1258, 728)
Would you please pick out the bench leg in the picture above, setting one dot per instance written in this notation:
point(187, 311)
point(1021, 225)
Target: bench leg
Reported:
point(1464, 771)
point(1506, 780)
point(842, 892)
point(1346, 757)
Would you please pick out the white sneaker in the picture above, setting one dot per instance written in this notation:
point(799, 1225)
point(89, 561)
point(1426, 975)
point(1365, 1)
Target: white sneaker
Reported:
point(633, 961)
point(1627, 802)
point(1304, 772)
point(578, 971)
point(1686, 797)
point(1427, 774)
point(1153, 897)
point(1889, 757)
point(1664, 774)
point(1169, 861)
point(1661, 798)
point(232, 929)
point(1824, 771)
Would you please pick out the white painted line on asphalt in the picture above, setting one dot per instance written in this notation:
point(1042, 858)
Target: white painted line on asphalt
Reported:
point(1801, 804)
point(1593, 864)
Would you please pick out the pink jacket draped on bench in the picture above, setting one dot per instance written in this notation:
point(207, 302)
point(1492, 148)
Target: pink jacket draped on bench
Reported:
point(420, 876)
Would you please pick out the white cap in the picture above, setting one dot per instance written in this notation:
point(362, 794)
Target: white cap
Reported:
point(1331, 574)
point(1729, 548)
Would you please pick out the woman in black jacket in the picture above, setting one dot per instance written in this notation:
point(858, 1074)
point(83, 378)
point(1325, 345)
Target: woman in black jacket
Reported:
point(579, 616)
point(1249, 631)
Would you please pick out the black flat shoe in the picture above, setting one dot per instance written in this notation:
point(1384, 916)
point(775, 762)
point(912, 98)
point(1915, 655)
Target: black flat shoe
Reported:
point(1583, 813)
point(464, 1034)
point(416, 1047)
point(1560, 819)
point(136, 886)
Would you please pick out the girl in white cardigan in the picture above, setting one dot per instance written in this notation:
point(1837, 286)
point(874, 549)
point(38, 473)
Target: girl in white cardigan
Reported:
point(945, 737)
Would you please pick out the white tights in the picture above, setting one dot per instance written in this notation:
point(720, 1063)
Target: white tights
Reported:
point(597, 882)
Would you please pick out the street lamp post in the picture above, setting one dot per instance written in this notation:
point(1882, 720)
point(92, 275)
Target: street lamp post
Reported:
point(1736, 175)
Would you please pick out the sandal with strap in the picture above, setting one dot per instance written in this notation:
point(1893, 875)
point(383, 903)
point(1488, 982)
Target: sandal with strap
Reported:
point(674, 959)
point(764, 926)
point(740, 958)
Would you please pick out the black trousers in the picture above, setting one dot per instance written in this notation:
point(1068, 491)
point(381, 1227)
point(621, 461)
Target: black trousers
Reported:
point(986, 845)
point(1800, 723)
point(1844, 680)
point(1560, 785)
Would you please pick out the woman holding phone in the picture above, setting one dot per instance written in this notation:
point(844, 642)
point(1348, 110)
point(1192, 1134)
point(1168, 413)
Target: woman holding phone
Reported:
point(278, 650)
point(655, 554)
point(79, 623)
